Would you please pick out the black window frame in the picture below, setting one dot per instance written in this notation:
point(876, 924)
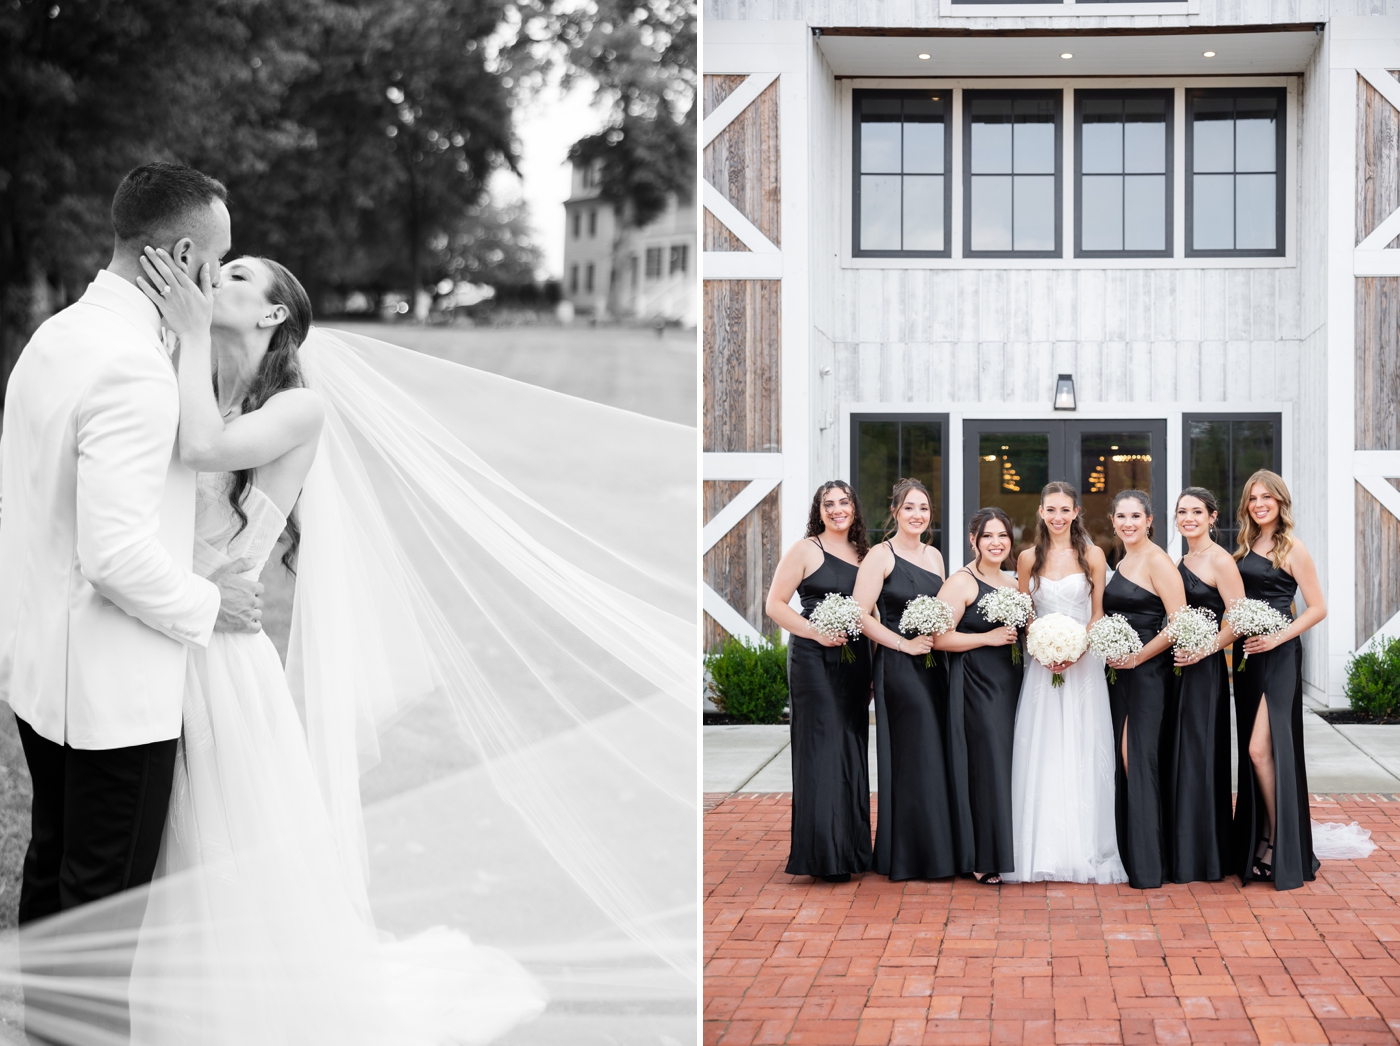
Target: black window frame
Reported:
point(857, 96)
point(1059, 99)
point(874, 514)
point(1276, 417)
point(1280, 171)
point(1169, 96)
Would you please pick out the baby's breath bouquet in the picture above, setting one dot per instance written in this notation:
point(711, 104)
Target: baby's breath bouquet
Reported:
point(1113, 638)
point(839, 615)
point(1254, 617)
point(926, 616)
point(1055, 639)
point(1192, 630)
point(1010, 607)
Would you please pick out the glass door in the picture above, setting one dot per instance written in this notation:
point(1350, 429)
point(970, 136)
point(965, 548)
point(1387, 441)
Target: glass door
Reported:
point(1105, 457)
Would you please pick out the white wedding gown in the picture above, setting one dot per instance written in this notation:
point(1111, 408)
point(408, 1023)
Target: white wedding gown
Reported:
point(257, 930)
point(1062, 770)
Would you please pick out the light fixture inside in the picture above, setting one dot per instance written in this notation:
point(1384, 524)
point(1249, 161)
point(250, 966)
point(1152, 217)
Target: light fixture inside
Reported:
point(925, 57)
point(1209, 54)
point(1066, 55)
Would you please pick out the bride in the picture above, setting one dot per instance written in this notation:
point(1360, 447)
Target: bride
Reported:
point(432, 590)
point(1062, 784)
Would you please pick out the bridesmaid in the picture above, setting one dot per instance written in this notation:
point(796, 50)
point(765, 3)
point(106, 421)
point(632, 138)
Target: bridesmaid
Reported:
point(1196, 775)
point(1144, 589)
point(914, 833)
point(1272, 837)
point(983, 687)
point(830, 697)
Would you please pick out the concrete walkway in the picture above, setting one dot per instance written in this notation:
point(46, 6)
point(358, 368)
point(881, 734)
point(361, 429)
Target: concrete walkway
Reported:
point(1341, 759)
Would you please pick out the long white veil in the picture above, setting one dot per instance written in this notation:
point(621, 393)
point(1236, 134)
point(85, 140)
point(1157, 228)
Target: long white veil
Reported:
point(493, 644)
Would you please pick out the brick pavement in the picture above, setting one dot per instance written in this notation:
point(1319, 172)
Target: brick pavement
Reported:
point(789, 960)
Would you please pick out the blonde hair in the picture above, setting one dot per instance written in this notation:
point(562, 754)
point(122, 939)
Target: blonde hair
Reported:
point(1250, 530)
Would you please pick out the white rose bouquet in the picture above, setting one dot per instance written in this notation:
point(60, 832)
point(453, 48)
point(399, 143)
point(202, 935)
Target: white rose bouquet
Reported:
point(1192, 630)
point(1055, 639)
point(1254, 617)
point(839, 615)
point(1113, 638)
point(926, 616)
point(1010, 607)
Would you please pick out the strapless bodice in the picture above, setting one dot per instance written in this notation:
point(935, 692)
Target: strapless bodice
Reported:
point(218, 539)
point(1072, 596)
point(1263, 580)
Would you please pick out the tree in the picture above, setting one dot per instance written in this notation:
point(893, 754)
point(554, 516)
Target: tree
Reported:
point(490, 243)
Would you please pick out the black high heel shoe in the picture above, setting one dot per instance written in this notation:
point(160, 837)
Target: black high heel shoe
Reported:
point(1262, 870)
point(988, 878)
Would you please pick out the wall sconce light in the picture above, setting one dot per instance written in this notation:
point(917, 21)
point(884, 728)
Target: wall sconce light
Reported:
point(1064, 392)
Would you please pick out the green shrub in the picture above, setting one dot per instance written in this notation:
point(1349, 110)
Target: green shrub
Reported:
point(749, 682)
point(1373, 679)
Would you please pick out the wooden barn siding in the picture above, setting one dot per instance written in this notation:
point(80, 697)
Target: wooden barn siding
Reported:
point(1378, 363)
point(1377, 565)
point(743, 163)
point(740, 359)
point(716, 89)
point(1377, 160)
point(741, 564)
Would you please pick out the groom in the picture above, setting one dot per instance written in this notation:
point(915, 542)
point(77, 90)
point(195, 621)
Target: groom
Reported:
point(98, 604)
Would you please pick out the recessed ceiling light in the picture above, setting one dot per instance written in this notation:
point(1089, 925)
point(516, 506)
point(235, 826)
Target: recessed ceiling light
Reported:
point(925, 57)
point(1209, 54)
point(1066, 55)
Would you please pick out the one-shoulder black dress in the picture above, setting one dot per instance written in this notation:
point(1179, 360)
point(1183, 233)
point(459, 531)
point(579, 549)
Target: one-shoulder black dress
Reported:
point(984, 685)
point(1141, 698)
point(914, 830)
point(1277, 677)
point(1196, 775)
point(830, 731)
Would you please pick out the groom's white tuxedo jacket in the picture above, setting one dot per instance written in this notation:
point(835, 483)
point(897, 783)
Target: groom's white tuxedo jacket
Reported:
point(98, 605)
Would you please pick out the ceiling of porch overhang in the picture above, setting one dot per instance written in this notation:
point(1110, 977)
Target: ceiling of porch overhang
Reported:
point(860, 53)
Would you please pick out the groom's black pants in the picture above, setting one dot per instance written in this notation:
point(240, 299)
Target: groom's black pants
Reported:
point(97, 819)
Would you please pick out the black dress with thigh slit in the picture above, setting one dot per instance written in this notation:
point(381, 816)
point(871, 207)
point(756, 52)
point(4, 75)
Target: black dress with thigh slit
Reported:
point(1276, 678)
point(1196, 774)
point(1141, 698)
point(984, 685)
point(914, 830)
point(830, 731)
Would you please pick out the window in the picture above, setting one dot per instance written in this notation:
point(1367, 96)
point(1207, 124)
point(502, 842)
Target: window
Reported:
point(1123, 160)
point(592, 223)
point(902, 151)
point(588, 279)
point(653, 263)
point(578, 220)
point(1224, 450)
point(573, 279)
point(632, 263)
point(1235, 169)
point(679, 258)
point(885, 448)
point(1011, 181)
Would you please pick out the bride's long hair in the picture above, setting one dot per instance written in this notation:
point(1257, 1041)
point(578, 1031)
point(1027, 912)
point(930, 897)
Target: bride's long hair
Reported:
point(278, 371)
point(1078, 534)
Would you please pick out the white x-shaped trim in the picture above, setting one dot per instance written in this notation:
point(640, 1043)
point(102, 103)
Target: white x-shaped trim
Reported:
point(1371, 257)
point(1373, 469)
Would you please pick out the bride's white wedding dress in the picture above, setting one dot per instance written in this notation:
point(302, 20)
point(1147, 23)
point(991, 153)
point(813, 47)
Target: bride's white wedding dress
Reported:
point(1062, 785)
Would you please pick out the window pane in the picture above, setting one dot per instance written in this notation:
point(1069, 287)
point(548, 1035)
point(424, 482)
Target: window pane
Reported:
point(1213, 135)
point(1012, 467)
point(1256, 142)
point(1145, 212)
point(1034, 147)
point(923, 460)
point(1110, 462)
point(879, 212)
point(991, 213)
point(1213, 212)
point(879, 146)
point(1035, 214)
point(1208, 464)
point(991, 135)
point(1251, 449)
point(1255, 216)
point(1101, 137)
point(923, 213)
point(877, 468)
point(1145, 136)
point(923, 136)
point(1101, 216)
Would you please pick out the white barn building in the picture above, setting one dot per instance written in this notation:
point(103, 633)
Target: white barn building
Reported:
point(929, 223)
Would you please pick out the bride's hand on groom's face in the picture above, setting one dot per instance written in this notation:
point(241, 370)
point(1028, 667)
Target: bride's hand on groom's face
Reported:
point(186, 306)
point(240, 600)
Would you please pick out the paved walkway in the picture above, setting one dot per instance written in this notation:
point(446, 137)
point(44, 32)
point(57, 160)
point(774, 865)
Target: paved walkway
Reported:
point(790, 960)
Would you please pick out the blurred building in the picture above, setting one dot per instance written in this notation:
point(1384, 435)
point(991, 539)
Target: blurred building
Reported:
point(617, 272)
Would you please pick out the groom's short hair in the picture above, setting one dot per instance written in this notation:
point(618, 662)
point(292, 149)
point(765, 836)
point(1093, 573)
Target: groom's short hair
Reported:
point(156, 197)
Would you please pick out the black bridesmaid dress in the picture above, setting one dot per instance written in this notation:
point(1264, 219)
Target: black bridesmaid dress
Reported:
point(1141, 696)
point(1196, 774)
point(914, 832)
point(830, 732)
point(984, 685)
point(1277, 678)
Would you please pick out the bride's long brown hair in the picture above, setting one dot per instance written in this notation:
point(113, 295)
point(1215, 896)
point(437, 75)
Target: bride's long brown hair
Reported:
point(1078, 533)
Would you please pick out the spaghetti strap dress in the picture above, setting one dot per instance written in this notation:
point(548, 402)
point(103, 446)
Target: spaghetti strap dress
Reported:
point(1196, 775)
point(984, 685)
point(1276, 678)
point(830, 730)
point(914, 828)
point(1141, 698)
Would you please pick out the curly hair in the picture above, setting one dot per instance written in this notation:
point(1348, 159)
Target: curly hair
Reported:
point(902, 489)
point(1078, 534)
point(977, 526)
point(1250, 530)
point(856, 535)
